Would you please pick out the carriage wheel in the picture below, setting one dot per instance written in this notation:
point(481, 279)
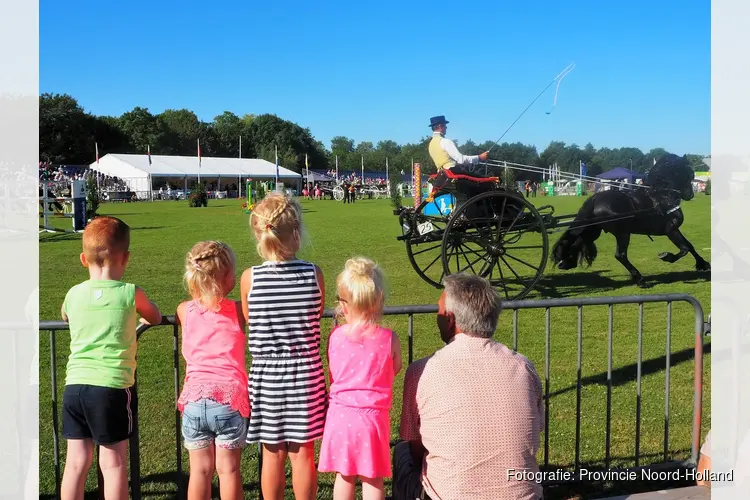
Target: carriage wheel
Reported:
point(501, 237)
point(338, 193)
point(375, 193)
point(424, 245)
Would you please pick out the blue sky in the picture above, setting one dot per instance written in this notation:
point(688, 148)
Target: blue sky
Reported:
point(379, 70)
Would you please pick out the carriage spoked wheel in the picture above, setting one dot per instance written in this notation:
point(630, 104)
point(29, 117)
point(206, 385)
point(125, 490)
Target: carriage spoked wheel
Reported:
point(375, 193)
point(499, 236)
point(338, 193)
point(424, 245)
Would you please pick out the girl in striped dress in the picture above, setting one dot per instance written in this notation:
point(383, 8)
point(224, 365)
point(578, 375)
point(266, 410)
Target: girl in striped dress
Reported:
point(283, 301)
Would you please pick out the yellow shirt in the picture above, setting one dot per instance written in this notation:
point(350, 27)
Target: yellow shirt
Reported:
point(445, 154)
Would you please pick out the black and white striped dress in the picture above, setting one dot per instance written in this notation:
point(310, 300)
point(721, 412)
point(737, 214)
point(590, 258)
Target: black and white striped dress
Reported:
point(287, 387)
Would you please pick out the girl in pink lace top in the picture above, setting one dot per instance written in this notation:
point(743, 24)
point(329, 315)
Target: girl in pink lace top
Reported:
point(214, 401)
point(363, 359)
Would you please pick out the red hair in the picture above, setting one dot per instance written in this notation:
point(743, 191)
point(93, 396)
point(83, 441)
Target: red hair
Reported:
point(104, 239)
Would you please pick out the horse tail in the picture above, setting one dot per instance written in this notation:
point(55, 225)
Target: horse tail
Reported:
point(576, 238)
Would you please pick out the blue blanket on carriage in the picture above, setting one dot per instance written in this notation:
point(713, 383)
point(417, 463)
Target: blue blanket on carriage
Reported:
point(443, 205)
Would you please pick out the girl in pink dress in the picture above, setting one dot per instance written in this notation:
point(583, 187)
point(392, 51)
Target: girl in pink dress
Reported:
point(214, 402)
point(363, 359)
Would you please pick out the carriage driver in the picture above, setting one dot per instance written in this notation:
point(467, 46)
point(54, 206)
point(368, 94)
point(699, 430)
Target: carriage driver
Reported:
point(446, 155)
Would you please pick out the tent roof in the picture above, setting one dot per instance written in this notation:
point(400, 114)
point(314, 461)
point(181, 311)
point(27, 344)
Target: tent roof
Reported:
point(318, 177)
point(187, 166)
point(620, 173)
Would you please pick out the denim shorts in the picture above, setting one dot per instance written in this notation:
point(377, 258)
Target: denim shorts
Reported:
point(207, 422)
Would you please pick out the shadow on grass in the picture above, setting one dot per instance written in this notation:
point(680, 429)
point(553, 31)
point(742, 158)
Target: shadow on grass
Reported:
point(57, 237)
point(629, 373)
point(582, 282)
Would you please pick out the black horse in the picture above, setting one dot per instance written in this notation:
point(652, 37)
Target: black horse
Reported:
point(652, 210)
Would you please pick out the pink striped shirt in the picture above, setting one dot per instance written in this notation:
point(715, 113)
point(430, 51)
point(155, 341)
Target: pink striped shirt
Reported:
point(213, 345)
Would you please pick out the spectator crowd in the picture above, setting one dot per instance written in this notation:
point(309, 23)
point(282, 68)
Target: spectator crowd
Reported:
point(59, 177)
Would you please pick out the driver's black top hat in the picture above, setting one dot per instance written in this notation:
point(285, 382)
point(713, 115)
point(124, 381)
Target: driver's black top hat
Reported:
point(438, 120)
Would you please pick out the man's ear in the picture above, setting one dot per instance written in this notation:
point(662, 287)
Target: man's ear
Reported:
point(451, 321)
point(84, 262)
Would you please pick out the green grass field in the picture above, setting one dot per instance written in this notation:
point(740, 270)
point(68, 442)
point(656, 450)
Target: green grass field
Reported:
point(162, 233)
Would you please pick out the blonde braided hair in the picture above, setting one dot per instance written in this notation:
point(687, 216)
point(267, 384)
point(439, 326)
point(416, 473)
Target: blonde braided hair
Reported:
point(208, 267)
point(277, 225)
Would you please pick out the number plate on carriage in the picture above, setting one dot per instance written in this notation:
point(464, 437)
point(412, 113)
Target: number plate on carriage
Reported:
point(425, 227)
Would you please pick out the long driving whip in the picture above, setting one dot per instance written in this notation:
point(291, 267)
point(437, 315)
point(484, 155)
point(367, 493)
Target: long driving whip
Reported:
point(559, 77)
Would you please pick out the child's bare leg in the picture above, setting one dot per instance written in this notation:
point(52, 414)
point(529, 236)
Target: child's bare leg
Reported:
point(77, 464)
point(273, 476)
point(201, 473)
point(343, 487)
point(113, 462)
point(372, 488)
point(228, 468)
point(304, 474)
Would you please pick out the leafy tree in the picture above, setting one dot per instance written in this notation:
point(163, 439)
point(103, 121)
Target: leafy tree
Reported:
point(227, 129)
point(341, 145)
point(144, 130)
point(67, 134)
point(65, 130)
point(182, 129)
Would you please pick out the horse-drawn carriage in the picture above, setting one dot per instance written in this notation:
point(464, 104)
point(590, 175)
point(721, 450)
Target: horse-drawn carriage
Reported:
point(477, 225)
point(370, 191)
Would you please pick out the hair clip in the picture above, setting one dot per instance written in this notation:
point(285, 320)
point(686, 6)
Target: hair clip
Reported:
point(269, 226)
point(195, 263)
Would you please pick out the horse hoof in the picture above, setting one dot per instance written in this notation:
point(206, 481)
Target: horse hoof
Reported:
point(644, 284)
point(666, 257)
point(703, 266)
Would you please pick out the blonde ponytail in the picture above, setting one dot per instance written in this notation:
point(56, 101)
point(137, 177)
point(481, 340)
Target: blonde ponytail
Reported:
point(363, 283)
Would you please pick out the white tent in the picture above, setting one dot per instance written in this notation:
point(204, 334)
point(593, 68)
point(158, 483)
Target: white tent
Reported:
point(138, 173)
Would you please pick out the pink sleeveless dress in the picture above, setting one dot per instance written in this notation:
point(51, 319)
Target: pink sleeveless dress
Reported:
point(213, 345)
point(356, 439)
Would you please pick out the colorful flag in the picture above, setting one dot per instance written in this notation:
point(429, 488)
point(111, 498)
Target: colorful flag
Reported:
point(199, 153)
point(583, 169)
point(96, 146)
point(148, 150)
point(654, 161)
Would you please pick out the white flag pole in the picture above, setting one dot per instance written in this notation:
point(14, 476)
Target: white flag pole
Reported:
point(387, 177)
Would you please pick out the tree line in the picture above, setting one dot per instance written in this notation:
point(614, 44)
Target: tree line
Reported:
point(69, 135)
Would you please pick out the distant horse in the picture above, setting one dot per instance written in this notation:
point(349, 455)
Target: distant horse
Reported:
point(652, 210)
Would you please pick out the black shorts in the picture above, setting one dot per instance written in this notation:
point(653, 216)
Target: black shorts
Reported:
point(103, 414)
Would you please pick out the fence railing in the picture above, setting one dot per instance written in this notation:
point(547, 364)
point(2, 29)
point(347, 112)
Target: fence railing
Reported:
point(700, 329)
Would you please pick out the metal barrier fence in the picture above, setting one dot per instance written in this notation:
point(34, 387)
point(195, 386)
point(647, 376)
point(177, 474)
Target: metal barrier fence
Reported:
point(700, 329)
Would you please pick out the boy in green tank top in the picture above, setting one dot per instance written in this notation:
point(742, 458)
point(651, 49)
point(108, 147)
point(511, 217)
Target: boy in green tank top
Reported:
point(98, 400)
